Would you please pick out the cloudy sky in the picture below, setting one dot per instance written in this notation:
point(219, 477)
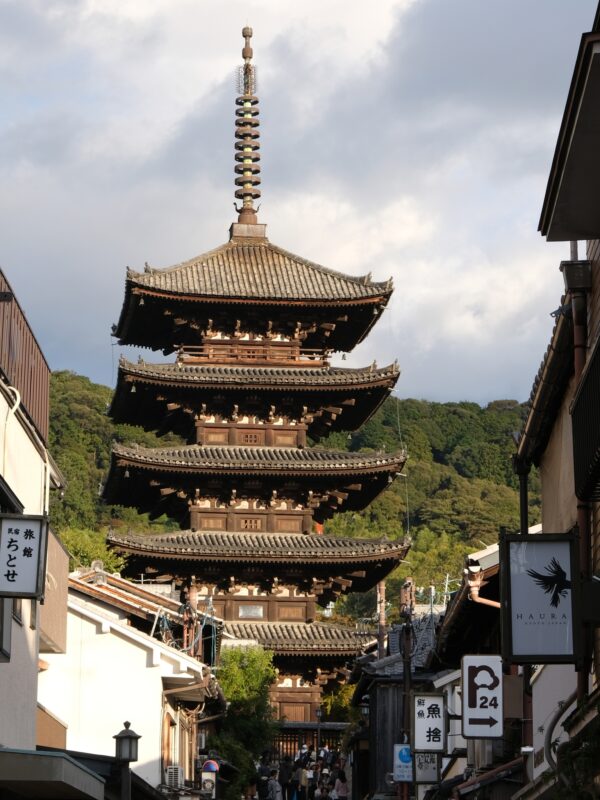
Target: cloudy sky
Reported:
point(409, 138)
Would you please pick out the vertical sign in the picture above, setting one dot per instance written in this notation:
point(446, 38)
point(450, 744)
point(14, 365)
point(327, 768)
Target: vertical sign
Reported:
point(427, 767)
point(22, 556)
point(539, 598)
point(482, 706)
point(403, 767)
point(429, 723)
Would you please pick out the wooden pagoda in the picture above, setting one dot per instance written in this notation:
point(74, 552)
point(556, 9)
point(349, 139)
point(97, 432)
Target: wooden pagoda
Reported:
point(253, 327)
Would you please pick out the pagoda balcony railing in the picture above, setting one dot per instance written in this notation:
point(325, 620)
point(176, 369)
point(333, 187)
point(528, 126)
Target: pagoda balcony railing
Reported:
point(22, 362)
point(585, 413)
point(253, 353)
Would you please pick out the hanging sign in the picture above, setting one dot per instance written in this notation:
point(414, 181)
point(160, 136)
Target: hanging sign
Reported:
point(427, 767)
point(403, 765)
point(429, 723)
point(23, 543)
point(482, 698)
point(539, 598)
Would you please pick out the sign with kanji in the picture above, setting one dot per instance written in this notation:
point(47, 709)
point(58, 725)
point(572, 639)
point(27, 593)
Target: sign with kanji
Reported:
point(482, 706)
point(540, 598)
point(403, 766)
point(427, 767)
point(429, 723)
point(22, 556)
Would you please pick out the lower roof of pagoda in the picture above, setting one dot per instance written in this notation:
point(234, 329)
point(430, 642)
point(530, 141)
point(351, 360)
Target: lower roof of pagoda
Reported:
point(194, 384)
point(290, 548)
point(162, 480)
point(302, 638)
point(322, 565)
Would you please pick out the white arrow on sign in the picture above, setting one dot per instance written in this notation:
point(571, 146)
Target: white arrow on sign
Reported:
point(482, 700)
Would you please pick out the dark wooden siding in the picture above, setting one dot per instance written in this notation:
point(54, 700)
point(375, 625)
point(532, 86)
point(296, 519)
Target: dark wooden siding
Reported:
point(22, 362)
point(385, 728)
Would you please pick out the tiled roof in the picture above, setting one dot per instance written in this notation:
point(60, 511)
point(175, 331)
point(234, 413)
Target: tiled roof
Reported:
point(297, 638)
point(257, 270)
point(288, 460)
point(232, 546)
point(287, 377)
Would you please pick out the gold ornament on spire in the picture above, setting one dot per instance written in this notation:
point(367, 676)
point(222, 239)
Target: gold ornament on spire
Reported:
point(247, 143)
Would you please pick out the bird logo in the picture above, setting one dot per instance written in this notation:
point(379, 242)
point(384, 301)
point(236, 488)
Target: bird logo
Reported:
point(554, 582)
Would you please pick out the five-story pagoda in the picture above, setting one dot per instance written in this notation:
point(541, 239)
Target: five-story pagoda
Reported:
point(253, 327)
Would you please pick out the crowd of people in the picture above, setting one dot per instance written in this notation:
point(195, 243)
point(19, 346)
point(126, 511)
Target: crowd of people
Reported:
point(309, 776)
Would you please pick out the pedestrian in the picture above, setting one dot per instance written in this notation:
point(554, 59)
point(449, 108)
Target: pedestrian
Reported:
point(341, 786)
point(274, 787)
point(285, 777)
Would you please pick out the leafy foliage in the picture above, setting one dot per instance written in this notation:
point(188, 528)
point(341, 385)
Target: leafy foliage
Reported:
point(85, 546)
point(245, 675)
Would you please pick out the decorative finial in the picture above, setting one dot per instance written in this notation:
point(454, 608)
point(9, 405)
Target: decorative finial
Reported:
point(247, 137)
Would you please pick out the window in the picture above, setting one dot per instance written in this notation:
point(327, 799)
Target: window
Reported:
point(251, 612)
point(251, 524)
point(251, 438)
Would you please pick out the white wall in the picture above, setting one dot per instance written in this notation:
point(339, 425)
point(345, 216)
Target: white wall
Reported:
point(23, 468)
point(103, 680)
point(551, 684)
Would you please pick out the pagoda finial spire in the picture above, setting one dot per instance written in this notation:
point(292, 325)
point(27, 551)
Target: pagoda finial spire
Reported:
point(247, 143)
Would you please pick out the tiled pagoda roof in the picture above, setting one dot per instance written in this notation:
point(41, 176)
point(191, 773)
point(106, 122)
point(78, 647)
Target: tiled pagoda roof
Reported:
point(287, 378)
point(300, 638)
point(257, 270)
point(267, 547)
point(267, 460)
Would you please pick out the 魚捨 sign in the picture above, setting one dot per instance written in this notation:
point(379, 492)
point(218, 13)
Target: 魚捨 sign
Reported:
point(22, 556)
point(429, 723)
point(482, 698)
point(539, 598)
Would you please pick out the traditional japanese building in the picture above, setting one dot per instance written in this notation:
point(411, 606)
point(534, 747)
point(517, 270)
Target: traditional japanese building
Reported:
point(253, 328)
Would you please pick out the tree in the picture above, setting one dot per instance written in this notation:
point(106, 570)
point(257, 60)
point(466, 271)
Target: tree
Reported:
point(245, 675)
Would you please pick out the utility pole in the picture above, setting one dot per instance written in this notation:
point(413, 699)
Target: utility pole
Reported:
point(381, 622)
point(407, 605)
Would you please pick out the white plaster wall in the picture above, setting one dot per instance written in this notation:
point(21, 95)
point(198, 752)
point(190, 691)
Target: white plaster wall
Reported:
point(18, 685)
point(21, 464)
point(553, 683)
point(101, 681)
point(23, 468)
point(559, 505)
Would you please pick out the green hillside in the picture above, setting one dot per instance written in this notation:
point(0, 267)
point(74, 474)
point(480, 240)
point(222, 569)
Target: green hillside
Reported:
point(458, 491)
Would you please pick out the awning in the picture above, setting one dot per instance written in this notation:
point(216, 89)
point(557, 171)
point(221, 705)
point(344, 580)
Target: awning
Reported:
point(44, 775)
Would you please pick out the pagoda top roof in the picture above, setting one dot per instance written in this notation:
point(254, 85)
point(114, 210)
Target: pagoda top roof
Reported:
point(254, 269)
point(257, 377)
point(301, 638)
point(264, 547)
point(278, 460)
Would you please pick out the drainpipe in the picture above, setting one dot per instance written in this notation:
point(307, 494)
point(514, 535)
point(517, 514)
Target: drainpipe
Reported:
point(579, 310)
point(474, 578)
point(381, 620)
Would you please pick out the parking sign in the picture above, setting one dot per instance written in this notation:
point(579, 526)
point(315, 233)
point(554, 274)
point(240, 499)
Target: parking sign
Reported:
point(482, 706)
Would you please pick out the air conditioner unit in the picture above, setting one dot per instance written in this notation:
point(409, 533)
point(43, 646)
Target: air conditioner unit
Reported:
point(174, 777)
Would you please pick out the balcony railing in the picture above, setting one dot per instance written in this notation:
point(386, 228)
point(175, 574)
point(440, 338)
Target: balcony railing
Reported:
point(22, 363)
point(586, 431)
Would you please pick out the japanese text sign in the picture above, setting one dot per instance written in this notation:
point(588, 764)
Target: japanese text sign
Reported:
point(482, 706)
point(427, 767)
point(429, 723)
point(403, 766)
point(22, 556)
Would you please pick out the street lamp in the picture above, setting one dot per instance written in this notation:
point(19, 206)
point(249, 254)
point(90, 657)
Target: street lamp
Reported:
point(126, 751)
point(364, 708)
point(319, 714)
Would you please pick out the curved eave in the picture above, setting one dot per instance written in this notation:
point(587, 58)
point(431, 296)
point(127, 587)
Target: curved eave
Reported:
point(149, 547)
point(134, 330)
point(144, 408)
